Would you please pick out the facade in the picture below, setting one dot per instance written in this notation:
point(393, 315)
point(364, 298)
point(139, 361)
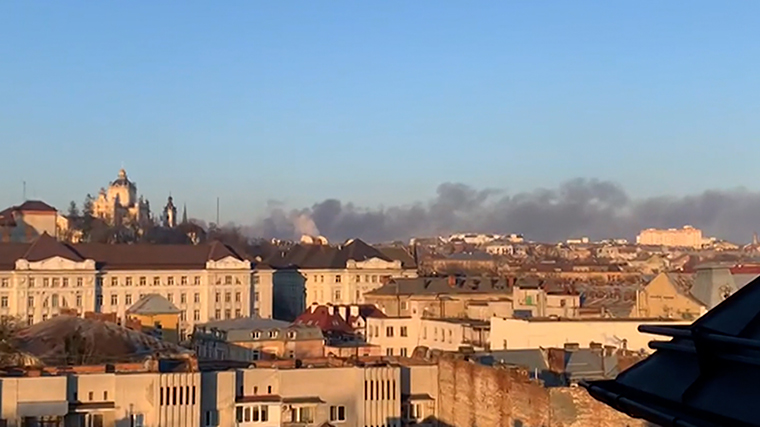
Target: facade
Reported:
point(156, 316)
point(508, 334)
point(119, 203)
point(308, 274)
point(668, 296)
point(399, 336)
point(687, 237)
point(371, 394)
point(206, 282)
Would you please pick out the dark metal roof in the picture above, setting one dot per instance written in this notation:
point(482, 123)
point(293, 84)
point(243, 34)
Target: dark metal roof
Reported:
point(706, 375)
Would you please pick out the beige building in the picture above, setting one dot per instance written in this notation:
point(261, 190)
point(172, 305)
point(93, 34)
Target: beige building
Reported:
point(119, 203)
point(399, 336)
point(688, 237)
point(375, 393)
point(31, 219)
point(206, 282)
point(509, 334)
point(668, 296)
point(309, 274)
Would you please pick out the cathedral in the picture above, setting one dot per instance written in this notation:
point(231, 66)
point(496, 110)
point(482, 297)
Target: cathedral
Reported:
point(119, 203)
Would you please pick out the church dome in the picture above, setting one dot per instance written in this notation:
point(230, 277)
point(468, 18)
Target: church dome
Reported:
point(122, 180)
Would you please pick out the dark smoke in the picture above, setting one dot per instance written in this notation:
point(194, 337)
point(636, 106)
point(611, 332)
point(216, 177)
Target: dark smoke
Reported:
point(579, 207)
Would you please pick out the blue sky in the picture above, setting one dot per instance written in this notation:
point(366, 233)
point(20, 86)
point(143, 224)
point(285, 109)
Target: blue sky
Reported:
point(374, 102)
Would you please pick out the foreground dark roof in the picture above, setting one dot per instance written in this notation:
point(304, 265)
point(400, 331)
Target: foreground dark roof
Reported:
point(707, 375)
point(119, 256)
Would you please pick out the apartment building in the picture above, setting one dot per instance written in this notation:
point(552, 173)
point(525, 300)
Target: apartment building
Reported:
point(369, 394)
point(321, 274)
point(206, 282)
point(250, 339)
point(687, 237)
point(452, 296)
point(399, 336)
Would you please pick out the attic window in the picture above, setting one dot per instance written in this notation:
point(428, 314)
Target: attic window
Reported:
point(272, 334)
point(292, 335)
point(256, 334)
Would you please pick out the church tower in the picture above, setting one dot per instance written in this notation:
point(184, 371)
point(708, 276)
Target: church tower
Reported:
point(169, 217)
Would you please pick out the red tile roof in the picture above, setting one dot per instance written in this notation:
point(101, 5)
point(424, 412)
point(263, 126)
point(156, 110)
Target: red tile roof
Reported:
point(321, 317)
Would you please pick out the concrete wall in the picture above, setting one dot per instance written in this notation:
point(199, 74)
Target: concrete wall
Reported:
point(516, 334)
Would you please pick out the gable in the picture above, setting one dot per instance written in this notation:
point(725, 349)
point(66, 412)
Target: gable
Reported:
point(55, 263)
point(228, 263)
point(375, 263)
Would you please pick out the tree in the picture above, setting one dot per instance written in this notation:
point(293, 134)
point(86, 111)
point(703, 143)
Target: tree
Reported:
point(73, 210)
point(10, 355)
point(87, 205)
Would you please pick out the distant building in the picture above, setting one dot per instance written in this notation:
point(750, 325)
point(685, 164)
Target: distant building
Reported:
point(157, 316)
point(668, 296)
point(169, 215)
point(119, 204)
point(687, 237)
point(29, 220)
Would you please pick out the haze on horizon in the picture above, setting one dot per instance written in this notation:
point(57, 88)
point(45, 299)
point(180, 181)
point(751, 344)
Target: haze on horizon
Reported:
point(392, 119)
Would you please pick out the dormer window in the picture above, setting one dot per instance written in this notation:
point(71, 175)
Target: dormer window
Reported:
point(256, 334)
point(292, 335)
point(272, 334)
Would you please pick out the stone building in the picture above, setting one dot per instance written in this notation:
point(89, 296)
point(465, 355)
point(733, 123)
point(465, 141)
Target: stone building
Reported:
point(120, 204)
point(206, 282)
point(29, 220)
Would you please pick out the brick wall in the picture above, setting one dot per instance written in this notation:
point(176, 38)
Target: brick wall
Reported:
point(471, 394)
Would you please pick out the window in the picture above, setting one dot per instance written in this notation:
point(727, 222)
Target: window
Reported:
point(227, 280)
point(337, 413)
point(358, 278)
point(403, 331)
point(182, 316)
point(374, 278)
point(79, 282)
point(183, 280)
point(137, 420)
point(30, 302)
point(304, 415)
point(128, 299)
point(272, 334)
point(114, 299)
point(217, 314)
point(255, 280)
point(65, 282)
point(238, 314)
point(450, 336)
point(56, 282)
point(196, 315)
point(91, 395)
point(170, 280)
point(336, 296)
point(105, 396)
point(292, 335)
point(4, 282)
point(31, 282)
point(45, 282)
point(156, 280)
point(218, 297)
point(256, 335)
point(197, 280)
point(3, 301)
point(211, 418)
point(237, 296)
point(79, 300)
point(337, 278)
point(227, 297)
point(403, 305)
point(256, 296)
point(54, 300)
point(114, 281)
point(143, 281)
point(403, 352)
point(197, 298)
point(182, 298)
point(389, 331)
point(170, 297)
point(227, 314)
point(44, 317)
point(128, 281)
point(389, 351)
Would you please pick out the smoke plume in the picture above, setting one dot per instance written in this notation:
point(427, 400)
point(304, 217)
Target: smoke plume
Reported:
point(579, 207)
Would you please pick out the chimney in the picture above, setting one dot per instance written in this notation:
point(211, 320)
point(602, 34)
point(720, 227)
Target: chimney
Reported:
point(571, 346)
point(452, 281)
point(609, 350)
point(597, 347)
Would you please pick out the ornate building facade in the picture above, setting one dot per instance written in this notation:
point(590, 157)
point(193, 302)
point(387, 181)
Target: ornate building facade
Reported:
point(119, 204)
point(206, 281)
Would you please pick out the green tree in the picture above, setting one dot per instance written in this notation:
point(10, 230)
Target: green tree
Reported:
point(73, 210)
